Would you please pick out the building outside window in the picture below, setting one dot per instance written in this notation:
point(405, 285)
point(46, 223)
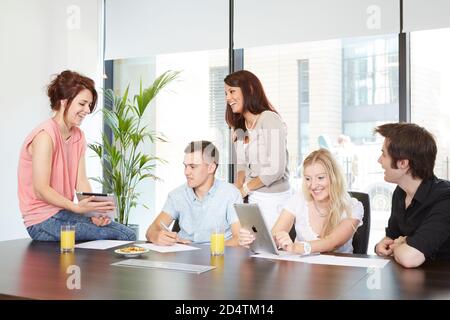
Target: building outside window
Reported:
point(332, 94)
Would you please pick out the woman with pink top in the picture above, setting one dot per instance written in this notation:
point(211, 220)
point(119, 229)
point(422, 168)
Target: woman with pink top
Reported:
point(52, 167)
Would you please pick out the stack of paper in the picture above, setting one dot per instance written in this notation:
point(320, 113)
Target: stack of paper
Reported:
point(173, 266)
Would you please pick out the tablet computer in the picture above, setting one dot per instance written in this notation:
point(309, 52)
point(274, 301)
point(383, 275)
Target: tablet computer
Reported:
point(100, 197)
point(251, 218)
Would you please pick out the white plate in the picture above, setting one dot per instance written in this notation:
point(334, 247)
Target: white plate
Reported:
point(131, 254)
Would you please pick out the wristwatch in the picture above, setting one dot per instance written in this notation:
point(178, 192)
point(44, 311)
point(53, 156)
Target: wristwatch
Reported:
point(306, 247)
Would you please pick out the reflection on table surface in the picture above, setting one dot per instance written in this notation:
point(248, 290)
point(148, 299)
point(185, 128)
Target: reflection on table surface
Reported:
point(37, 270)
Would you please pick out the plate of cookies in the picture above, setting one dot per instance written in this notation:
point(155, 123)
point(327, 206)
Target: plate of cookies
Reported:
point(131, 252)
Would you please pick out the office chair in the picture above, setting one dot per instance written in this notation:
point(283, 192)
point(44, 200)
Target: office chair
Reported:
point(361, 236)
point(176, 226)
point(293, 233)
point(360, 241)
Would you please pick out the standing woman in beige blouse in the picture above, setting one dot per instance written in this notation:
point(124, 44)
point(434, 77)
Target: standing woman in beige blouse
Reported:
point(259, 139)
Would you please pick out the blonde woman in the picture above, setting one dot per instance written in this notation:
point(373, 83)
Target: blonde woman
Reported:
point(324, 214)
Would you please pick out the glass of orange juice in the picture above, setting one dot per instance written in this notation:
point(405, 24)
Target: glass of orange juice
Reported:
point(218, 241)
point(67, 238)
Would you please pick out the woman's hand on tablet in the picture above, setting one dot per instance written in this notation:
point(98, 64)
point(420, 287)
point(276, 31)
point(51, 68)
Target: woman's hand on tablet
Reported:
point(283, 241)
point(245, 237)
point(89, 205)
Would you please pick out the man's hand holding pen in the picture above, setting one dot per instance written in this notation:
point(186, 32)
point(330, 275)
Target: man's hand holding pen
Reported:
point(167, 237)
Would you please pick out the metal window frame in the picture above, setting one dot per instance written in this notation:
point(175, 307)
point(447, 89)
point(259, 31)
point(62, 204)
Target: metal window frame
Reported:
point(404, 70)
point(236, 62)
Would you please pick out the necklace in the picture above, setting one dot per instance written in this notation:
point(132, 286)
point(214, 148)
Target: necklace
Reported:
point(253, 123)
point(320, 213)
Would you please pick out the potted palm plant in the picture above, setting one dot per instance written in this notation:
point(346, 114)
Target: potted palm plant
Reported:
point(125, 164)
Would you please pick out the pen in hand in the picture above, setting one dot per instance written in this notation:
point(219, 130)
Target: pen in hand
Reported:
point(178, 240)
point(164, 226)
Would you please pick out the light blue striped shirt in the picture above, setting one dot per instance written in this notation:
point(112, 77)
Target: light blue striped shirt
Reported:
point(197, 218)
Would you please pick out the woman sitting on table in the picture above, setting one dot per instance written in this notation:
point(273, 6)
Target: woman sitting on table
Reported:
point(52, 167)
point(324, 214)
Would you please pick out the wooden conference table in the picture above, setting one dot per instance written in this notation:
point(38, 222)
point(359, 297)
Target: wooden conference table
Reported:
point(36, 270)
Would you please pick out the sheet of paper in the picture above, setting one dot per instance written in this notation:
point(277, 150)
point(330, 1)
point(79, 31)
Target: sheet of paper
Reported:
point(286, 256)
point(331, 260)
point(175, 248)
point(101, 244)
point(348, 261)
point(173, 266)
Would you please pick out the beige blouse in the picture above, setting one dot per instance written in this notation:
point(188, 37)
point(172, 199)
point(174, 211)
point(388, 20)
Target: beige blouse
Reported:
point(265, 155)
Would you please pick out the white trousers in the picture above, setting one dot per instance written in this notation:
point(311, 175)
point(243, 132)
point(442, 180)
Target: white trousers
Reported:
point(270, 204)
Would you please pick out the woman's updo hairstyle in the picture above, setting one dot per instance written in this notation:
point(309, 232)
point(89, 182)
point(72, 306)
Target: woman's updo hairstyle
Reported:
point(67, 85)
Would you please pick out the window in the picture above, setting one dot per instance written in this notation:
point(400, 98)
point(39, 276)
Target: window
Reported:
point(430, 97)
point(303, 89)
point(324, 89)
point(191, 109)
point(370, 67)
point(217, 105)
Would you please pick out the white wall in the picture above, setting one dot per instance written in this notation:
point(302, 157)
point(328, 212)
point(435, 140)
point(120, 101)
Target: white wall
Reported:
point(39, 38)
point(424, 15)
point(291, 21)
point(142, 28)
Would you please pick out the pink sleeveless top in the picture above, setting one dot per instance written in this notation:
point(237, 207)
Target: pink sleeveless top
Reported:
point(65, 159)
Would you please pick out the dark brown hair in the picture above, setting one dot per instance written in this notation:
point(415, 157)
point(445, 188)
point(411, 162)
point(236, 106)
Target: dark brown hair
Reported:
point(255, 100)
point(413, 143)
point(67, 85)
point(209, 151)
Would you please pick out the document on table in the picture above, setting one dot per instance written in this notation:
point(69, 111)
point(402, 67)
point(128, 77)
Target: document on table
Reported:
point(101, 244)
point(329, 259)
point(175, 248)
point(172, 266)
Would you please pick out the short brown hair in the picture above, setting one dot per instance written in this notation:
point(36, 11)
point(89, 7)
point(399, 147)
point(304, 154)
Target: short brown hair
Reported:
point(209, 151)
point(413, 143)
point(67, 85)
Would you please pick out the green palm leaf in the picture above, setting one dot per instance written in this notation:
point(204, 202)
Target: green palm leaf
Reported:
point(125, 162)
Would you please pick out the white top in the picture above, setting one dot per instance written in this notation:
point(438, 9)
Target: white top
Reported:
point(299, 207)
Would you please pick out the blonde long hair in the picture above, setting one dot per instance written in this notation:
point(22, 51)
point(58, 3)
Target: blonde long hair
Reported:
point(340, 201)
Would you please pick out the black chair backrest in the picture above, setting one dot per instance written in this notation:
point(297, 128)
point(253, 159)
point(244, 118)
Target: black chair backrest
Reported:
point(176, 226)
point(293, 233)
point(361, 236)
